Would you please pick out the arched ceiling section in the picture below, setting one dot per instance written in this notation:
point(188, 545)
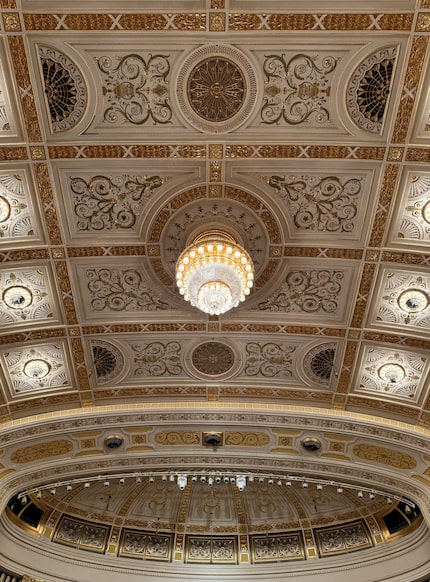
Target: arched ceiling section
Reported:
point(125, 130)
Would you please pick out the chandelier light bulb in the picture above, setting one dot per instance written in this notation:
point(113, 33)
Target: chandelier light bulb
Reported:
point(214, 273)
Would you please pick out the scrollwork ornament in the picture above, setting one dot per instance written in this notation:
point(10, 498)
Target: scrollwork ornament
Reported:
point(319, 203)
point(157, 359)
point(307, 291)
point(111, 202)
point(121, 290)
point(296, 89)
point(269, 360)
point(136, 89)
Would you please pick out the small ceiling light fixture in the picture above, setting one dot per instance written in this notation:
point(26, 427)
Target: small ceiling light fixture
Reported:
point(214, 272)
point(241, 482)
point(182, 482)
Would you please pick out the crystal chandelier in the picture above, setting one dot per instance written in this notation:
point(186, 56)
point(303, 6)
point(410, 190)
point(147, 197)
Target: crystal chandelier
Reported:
point(214, 272)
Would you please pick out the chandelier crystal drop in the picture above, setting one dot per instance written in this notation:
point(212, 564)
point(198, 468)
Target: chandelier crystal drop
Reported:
point(214, 273)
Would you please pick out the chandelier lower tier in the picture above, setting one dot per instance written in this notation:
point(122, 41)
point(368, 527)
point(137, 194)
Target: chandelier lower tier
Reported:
point(214, 273)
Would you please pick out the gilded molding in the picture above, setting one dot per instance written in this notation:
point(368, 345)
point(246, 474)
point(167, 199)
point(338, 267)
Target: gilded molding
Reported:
point(129, 21)
point(22, 76)
point(64, 283)
point(384, 456)
point(385, 197)
point(369, 271)
point(11, 22)
point(217, 21)
point(161, 151)
point(41, 451)
point(77, 350)
point(44, 186)
point(179, 437)
point(397, 21)
point(412, 79)
point(13, 153)
point(234, 151)
point(395, 154)
point(423, 22)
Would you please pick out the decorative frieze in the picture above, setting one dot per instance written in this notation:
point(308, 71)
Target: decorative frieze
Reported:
point(338, 540)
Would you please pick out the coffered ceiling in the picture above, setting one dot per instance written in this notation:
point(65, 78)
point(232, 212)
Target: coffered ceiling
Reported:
point(129, 127)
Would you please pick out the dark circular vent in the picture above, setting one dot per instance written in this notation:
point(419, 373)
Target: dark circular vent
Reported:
point(322, 363)
point(104, 361)
point(60, 90)
point(374, 89)
point(213, 358)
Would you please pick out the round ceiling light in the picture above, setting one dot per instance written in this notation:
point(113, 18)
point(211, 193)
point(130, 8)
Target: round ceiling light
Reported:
point(17, 297)
point(37, 369)
point(214, 273)
point(413, 300)
point(426, 212)
point(392, 373)
point(4, 209)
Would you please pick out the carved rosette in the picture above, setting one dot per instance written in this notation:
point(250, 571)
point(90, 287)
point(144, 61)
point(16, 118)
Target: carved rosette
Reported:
point(65, 89)
point(213, 358)
point(368, 90)
point(216, 88)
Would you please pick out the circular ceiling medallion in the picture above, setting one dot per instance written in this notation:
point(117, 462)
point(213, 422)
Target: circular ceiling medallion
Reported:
point(426, 212)
point(213, 358)
point(392, 373)
point(413, 300)
point(4, 209)
point(17, 297)
point(217, 88)
point(36, 369)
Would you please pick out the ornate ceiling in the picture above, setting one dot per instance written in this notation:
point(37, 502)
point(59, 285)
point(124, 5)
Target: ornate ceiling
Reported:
point(125, 130)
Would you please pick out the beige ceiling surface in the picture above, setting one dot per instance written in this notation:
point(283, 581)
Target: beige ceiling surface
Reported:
point(115, 152)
